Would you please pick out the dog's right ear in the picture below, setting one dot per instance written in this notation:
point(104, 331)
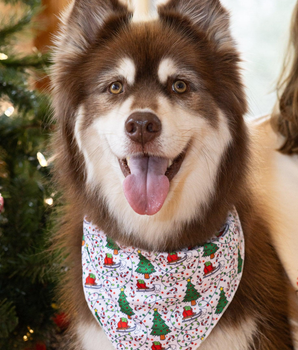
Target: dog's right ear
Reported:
point(209, 16)
point(82, 21)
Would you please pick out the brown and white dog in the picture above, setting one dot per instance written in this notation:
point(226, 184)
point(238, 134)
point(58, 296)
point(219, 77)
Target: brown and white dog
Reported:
point(160, 98)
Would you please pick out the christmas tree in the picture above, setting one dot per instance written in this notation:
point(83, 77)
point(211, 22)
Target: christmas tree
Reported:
point(210, 249)
point(222, 302)
point(124, 305)
point(191, 293)
point(97, 316)
point(240, 261)
point(112, 245)
point(28, 275)
point(144, 266)
point(159, 327)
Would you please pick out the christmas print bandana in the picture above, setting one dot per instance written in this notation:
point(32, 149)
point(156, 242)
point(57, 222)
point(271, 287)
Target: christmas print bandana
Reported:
point(161, 301)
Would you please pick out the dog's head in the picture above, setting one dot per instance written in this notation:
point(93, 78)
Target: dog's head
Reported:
point(149, 115)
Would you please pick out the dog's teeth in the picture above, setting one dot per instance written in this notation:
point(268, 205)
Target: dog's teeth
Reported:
point(127, 160)
point(170, 163)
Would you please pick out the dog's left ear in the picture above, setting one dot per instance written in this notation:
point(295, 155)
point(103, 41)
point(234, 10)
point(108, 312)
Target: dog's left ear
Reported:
point(209, 16)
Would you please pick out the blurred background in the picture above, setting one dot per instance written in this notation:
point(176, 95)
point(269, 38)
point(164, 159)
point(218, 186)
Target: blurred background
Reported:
point(261, 30)
point(30, 317)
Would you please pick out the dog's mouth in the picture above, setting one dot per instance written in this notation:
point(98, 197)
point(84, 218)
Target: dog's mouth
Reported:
point(147, 181)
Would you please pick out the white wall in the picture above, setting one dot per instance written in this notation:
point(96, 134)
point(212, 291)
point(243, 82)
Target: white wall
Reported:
point(261, 29)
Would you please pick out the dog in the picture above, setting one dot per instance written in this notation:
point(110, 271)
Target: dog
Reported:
point(152, 152)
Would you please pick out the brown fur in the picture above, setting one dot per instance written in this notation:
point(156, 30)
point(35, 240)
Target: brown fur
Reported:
point(262, 291)
point(285, 120)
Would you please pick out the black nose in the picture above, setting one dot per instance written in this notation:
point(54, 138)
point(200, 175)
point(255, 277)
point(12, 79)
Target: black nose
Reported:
point(143, 127)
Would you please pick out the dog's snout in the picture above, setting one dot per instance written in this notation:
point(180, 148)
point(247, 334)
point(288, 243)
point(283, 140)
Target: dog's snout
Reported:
point(143, 127)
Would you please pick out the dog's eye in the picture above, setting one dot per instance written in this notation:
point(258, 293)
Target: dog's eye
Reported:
point(116, 88)
point(179, 86)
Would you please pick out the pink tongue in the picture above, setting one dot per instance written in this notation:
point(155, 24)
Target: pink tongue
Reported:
point(147, 187)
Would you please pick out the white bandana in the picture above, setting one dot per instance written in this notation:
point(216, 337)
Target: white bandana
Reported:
point(161, 301)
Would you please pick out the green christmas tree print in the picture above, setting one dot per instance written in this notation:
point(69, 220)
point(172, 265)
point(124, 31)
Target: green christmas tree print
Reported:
point(159, 327)
point(191, 293)
point(144, 266)
point(97, 316)
point(222, 302)
point(210, 249)
point(240, 261)
point(124, 305)
point(112, 245)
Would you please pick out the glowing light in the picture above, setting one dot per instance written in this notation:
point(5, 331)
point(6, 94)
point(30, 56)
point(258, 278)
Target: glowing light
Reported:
point(25, 338)
point(54, 306)
point(9, 111)
point(31, 331)
point(49, 201)
point(3, 56)
point(42, 160)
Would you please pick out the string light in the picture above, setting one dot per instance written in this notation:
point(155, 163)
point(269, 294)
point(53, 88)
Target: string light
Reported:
point(3, 56)
point(25, 338)
point(42, 160)
point(9, 111)
point(6, 107)
point(49, 201)
point(55, 306)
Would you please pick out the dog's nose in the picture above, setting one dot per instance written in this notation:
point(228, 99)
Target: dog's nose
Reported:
point(143, 127)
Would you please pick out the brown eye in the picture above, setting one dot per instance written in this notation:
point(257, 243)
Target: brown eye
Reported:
point(179, 86)
point(116, 88)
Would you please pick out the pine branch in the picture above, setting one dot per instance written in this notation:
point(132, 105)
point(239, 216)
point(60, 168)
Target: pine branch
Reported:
point(9, 319)
point(38, 62)
point(16, 27)
point(16, 24)
point(28, 275)
point(31, 3)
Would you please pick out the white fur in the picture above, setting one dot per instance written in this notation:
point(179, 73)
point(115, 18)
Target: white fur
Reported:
point(294, 325)
point(167, 68)
point(105, 141)
point(78, 126)
point(92, 337)
point(127, 69)
point(161, 2)
point(231, 338)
